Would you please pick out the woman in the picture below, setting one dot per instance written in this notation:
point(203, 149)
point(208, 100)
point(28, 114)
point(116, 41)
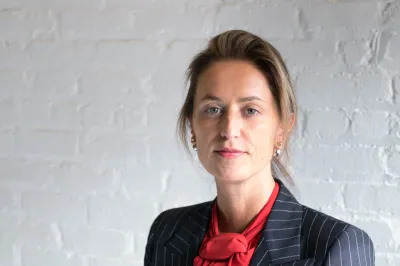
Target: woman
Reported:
point(241, 109)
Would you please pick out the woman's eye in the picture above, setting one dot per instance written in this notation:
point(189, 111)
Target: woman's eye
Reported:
point(212, 110)
point(251, 111)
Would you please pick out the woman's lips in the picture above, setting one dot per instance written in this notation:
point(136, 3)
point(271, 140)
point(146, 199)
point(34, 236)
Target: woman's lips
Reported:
point(229, 155)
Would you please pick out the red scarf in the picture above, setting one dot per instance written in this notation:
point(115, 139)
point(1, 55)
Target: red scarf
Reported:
point(232, 249)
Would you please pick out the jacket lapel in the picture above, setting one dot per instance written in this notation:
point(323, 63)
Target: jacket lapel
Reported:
point(187, 238)
point(279, 242)
point(280, 239)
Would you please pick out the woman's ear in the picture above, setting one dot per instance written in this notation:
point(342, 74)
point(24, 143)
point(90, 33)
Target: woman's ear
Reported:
point(191, 124)
point(280, 134)
point(291, 122)
point(283, 130)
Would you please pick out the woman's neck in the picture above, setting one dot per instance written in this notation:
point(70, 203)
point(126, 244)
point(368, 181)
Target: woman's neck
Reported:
point(238, 204)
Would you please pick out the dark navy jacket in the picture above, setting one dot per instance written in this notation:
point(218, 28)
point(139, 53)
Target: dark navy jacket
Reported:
point(293, 235)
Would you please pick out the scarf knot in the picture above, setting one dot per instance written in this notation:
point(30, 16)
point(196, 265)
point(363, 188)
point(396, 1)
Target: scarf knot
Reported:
point(233, 249)
point(232, 243)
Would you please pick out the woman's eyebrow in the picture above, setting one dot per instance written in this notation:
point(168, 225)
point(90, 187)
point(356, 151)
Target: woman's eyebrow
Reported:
point(245, 99)
point(210, 97)
point(249, 99)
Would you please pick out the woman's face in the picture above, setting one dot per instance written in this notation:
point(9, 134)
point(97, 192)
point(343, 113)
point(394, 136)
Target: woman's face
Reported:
point(234, 108)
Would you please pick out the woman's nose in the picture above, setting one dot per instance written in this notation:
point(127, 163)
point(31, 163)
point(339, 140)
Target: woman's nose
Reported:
point(231, 125)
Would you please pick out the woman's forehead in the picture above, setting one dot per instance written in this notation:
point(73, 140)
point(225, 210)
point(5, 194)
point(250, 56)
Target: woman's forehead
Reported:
point(232, 79)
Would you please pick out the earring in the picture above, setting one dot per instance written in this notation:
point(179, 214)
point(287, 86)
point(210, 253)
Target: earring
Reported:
point(193, 139)
point(278, 150)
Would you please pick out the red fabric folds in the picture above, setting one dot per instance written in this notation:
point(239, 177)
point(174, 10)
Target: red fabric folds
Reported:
point(233, 249)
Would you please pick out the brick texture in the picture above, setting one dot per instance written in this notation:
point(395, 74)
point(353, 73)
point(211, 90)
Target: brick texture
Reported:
point(89, 97)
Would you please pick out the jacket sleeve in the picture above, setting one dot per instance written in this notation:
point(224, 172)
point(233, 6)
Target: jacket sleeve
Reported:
point(352, 247)
point(150, 241)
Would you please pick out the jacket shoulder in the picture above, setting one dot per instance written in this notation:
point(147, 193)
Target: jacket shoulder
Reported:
point(165, 224)
point(321, 231)
point(167, 221)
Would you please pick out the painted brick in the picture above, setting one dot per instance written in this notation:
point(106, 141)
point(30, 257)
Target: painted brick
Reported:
point(326, 123)
point(24, 24)
point(116, 145)
point(95, 242)
point(92, 24)
point(116, 212)
point(361, 197)
point(260, 19)
point(89, 96)
point(54, 207)
point(46, 142)
point(393, 162)
point(84, 179)
point(49, 257)
point(7, 141)
point(370, 124)
point(392, 55)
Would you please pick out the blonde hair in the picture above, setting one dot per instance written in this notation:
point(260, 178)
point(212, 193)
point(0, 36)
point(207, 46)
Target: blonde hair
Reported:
point(243, 45)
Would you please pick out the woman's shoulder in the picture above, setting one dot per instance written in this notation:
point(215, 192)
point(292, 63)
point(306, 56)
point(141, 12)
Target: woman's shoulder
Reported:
point(169, 219)
point(323, 236)
point(314, 221)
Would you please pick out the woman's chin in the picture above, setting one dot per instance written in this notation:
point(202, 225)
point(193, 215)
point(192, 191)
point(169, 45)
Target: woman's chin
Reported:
point(231, 176)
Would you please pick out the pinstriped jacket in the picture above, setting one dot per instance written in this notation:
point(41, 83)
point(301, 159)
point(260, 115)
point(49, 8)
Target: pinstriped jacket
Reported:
point(293, 235)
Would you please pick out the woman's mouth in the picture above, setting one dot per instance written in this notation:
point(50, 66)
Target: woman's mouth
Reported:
point(229, 154)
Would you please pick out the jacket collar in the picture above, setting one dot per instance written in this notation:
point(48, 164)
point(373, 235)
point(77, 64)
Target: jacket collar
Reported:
point(279, 242)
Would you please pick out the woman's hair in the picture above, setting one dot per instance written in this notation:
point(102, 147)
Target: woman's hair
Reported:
point(243, 45)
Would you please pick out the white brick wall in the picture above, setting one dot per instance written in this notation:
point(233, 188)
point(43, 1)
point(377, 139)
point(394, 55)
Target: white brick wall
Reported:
point(89, 94)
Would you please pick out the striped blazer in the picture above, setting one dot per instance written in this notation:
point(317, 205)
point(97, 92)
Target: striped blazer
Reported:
point(293, 235)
